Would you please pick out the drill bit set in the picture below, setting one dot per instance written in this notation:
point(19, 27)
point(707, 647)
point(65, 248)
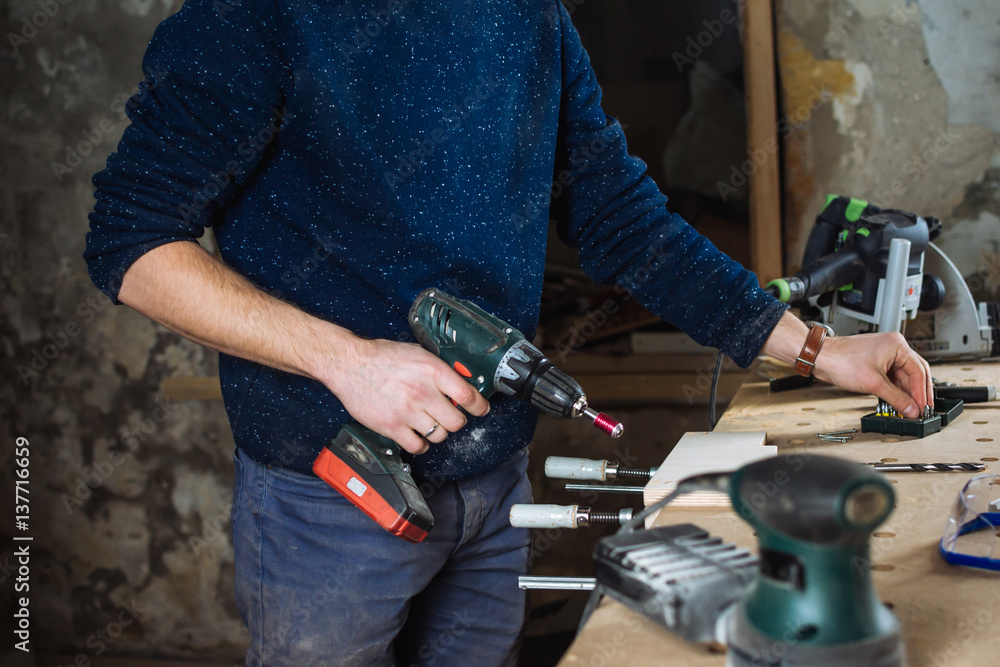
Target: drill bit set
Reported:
point(886, 420)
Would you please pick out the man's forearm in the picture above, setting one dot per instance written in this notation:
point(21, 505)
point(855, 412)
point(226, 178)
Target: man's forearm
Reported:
point(786, 339)
point(398, 389)
point(185, 289)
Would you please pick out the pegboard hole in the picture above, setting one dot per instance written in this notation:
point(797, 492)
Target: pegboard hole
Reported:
point(804, 424)
point(980, 422)
point(883, 533)
point(808, 409)
point(984, 439)
point(889, 459)
point(988, 459)
point(716, 648)
point(883, 567)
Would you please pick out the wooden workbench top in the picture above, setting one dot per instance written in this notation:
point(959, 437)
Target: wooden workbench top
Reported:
point(949, 616)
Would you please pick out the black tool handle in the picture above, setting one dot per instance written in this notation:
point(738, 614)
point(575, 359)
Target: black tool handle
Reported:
point(789, 382)
point(966, 394)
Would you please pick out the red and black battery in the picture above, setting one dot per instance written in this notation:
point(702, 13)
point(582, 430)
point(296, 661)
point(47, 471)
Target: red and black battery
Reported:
point(366, 469)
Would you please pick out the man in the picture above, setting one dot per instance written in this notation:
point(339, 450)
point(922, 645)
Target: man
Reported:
point(348, 155)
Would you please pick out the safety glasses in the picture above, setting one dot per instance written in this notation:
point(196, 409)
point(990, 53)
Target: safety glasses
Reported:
point(972, 536)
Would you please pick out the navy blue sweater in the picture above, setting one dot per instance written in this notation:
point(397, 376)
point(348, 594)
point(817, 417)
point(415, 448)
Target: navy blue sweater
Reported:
point(350, 154)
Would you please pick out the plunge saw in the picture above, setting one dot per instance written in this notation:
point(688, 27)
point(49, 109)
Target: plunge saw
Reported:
point(871, 269)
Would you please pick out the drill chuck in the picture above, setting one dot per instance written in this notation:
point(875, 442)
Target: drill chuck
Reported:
point(526, 374)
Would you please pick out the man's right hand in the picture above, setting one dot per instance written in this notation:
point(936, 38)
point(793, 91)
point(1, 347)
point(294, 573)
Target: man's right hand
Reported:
point(397, 389)
point(401, 391)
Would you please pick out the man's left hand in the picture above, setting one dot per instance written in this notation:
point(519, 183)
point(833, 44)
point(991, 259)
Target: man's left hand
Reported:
point(882, 364)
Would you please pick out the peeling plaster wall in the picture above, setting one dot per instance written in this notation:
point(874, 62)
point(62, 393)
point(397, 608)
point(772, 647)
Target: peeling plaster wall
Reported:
point(129, 496)
point(896, 102)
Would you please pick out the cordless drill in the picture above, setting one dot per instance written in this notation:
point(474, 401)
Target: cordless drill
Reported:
point(493, 357)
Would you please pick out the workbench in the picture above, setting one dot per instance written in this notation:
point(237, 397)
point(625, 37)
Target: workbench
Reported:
point(949, 615)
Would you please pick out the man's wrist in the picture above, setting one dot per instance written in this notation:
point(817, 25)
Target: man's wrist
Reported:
point(327, 351)
point(805, 363)
point(785, 341)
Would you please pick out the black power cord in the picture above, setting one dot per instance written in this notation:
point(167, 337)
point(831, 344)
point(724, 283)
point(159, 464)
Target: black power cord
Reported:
point(715, 390)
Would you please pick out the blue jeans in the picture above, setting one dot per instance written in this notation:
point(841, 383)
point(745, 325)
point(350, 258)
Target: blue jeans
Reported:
point(319, 583)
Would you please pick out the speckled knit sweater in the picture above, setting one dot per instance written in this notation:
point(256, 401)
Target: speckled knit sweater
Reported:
point(349, 154)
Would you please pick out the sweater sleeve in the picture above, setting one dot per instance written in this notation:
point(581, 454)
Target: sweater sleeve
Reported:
point(614, 213)
point(202, 122)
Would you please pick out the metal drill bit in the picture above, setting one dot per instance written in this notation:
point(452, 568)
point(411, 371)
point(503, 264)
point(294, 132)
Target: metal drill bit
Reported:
point(845, 432)
point(526, 582)
point(833, 438)
point(928, 467)
point(883, 409)
point(604, 488)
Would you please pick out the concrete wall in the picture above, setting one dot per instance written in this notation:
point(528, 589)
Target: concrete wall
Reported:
point(129, 497)
point(896, 102)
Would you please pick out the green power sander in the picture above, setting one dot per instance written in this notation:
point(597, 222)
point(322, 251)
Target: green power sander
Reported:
point(807, 601)
point(812, 602)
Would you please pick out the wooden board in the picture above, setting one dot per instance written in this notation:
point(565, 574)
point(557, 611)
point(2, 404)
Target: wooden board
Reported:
point(192, 388)
point(949, 616)
point(760, 83)
point(700, 452)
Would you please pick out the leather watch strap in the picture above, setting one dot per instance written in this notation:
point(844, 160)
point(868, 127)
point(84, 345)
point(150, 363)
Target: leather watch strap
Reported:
point(806, 360)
